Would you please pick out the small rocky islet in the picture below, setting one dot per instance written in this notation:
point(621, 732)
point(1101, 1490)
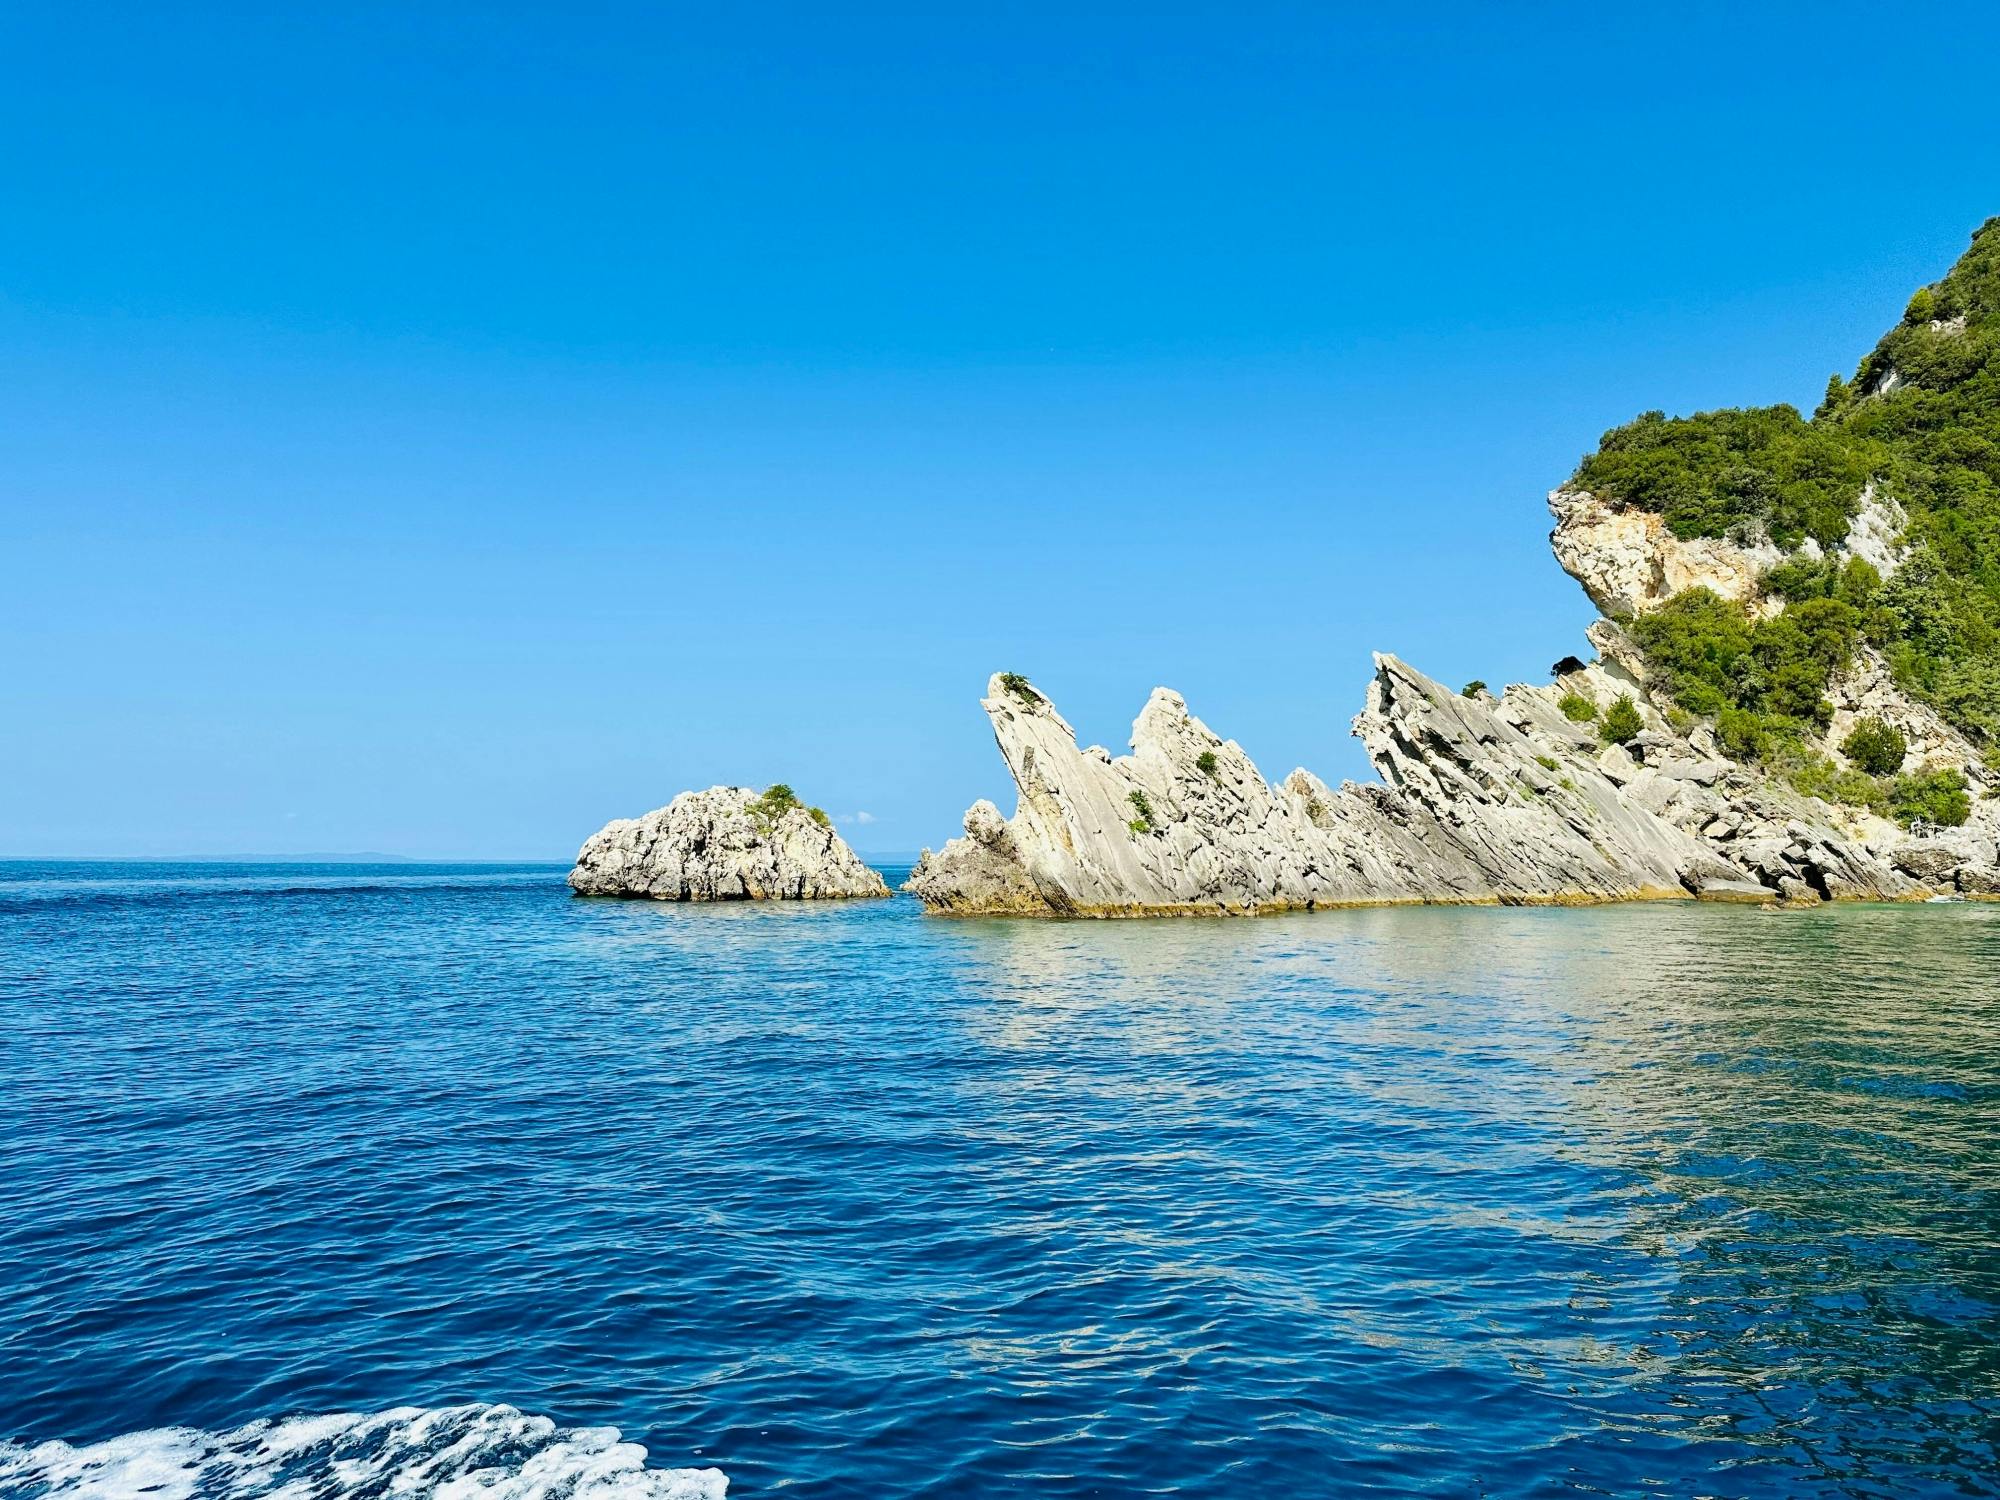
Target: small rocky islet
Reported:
point(728, 843)
point(1794, 696)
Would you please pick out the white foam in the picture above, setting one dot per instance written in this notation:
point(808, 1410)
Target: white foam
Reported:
point(447, 1452)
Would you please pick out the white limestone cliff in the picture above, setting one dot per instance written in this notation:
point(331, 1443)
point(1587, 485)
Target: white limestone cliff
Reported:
point(1473, 809)
point(717, 845)
point(1629, 562)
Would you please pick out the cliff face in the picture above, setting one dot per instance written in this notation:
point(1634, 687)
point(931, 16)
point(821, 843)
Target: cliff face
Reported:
point(1630, 564)
point(722, 845)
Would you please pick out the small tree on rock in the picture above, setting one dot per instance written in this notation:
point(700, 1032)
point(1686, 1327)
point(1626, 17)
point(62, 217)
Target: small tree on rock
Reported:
point(1876, 746)
point(1621, 722)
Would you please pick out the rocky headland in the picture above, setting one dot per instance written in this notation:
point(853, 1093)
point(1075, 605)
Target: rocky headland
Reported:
point(728, 843)
point(1792, 695)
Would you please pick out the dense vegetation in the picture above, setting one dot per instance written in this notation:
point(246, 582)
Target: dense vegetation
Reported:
point(1765, 683)
point(1921, 419)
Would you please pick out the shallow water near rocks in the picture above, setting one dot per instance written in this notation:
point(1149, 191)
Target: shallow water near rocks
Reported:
point(841, 1200)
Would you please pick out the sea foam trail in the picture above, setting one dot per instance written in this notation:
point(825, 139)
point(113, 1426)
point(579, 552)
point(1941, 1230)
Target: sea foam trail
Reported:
point(449, 1452)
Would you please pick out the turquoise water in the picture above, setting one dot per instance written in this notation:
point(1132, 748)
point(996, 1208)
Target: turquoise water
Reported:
point(842, 1200)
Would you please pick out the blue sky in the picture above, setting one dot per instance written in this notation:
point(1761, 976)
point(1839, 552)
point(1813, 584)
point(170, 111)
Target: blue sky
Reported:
point(441, 430)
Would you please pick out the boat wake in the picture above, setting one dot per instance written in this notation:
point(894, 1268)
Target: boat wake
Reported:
point(449, 1452)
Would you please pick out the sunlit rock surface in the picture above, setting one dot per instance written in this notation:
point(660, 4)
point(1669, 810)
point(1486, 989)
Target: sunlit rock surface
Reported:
point(707, 846)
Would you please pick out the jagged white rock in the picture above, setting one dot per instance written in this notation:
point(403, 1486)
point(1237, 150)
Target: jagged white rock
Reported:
point(707, 846)
point(1473, 810)
point(1629, 562)
point(1875, 535)
point(1482, 800)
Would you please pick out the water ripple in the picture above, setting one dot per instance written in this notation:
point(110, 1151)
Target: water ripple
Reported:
point(1668, 1200)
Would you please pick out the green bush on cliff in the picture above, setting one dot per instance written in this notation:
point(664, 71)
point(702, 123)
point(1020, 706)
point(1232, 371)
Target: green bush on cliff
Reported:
point(1621, 722)
point(1936, 796)
point(1143, 806)
point(1577, 708)
point(767, 810)
point(1021, 688)
point(1876, 747)
point(1817, 776)
point(1921, 420)
point(1717, 471)
point(1712, 657)
point(1741, 734)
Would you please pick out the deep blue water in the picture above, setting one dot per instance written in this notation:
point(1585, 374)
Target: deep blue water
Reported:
point(850, 1202)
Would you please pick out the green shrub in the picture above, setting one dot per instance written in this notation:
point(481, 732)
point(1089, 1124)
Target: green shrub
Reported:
point(1577, 708)
point(1710, 655)
point(768, 810)
point(1472, 689)
point(1021, 688)
point(1697, 644)
point(1740, 733)
point(1549, 762)
point(1876, 747)
point(1205, 763)
point(1930, 796)
point(1144, 808)
point(1817, 776)
point(1622, 722)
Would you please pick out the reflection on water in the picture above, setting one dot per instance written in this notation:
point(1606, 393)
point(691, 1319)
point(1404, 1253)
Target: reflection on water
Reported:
point(1667, 1199)
point(1780, 1128)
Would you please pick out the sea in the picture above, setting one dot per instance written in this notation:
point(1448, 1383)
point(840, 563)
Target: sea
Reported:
point(329, 1181)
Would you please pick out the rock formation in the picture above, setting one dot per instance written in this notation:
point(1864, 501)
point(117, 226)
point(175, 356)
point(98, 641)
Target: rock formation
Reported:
point(725, 844)
point(1629, 563)
point(1482, 799)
